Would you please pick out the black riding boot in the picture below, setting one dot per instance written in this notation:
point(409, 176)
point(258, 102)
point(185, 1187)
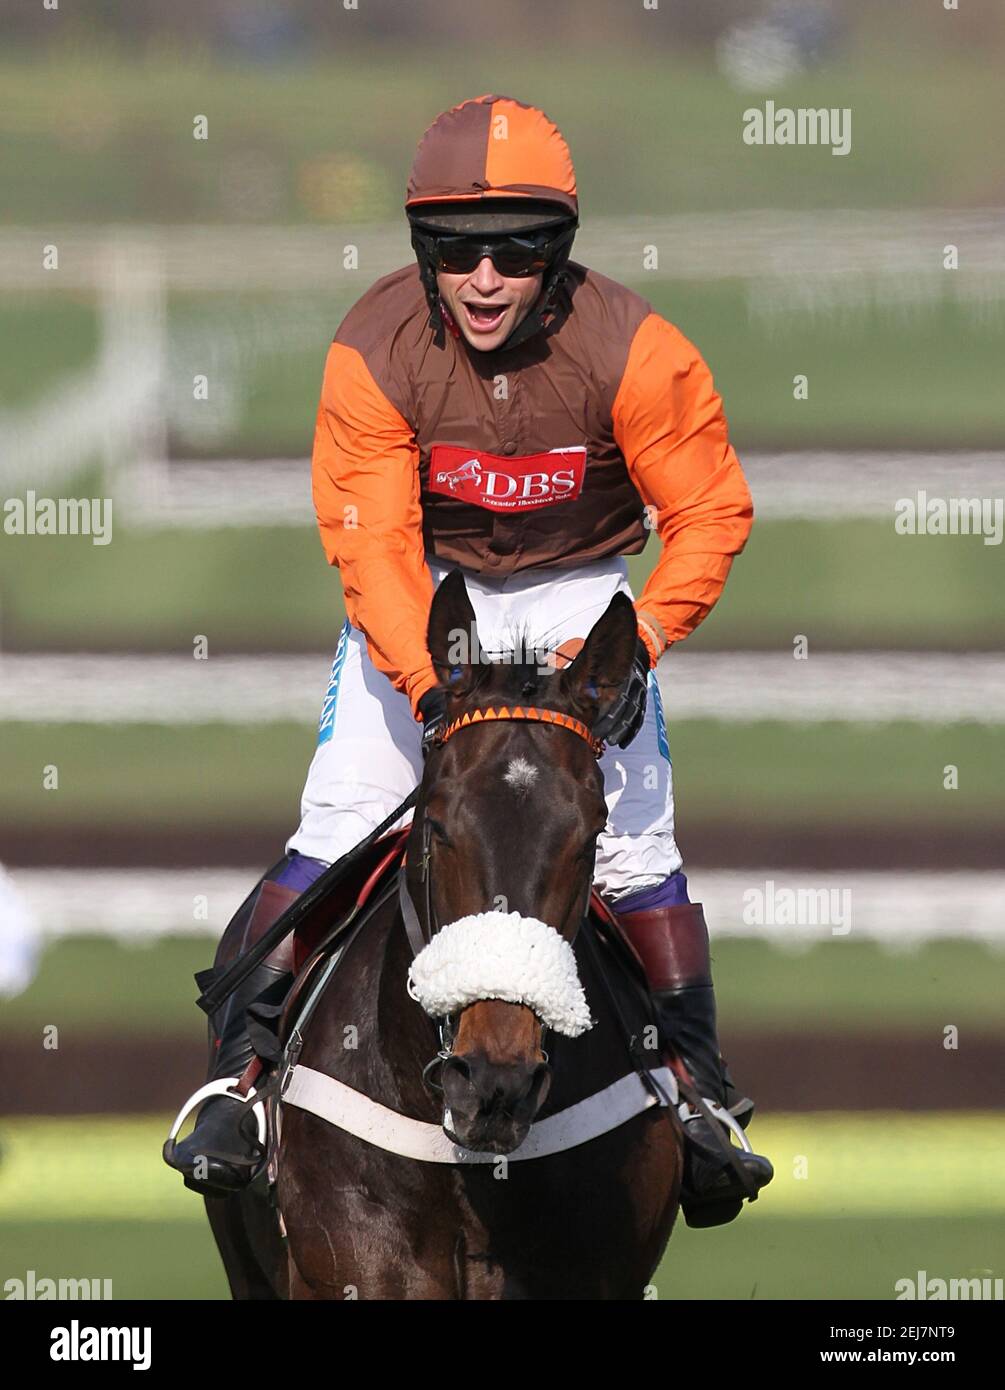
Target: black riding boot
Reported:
point(672, 943)
point(222, 1153)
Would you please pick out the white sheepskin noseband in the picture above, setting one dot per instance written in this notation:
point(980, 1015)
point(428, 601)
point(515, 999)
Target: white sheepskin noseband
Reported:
point(501, 955)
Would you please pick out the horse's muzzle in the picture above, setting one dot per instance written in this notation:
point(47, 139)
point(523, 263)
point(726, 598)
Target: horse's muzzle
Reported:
point(490, 1105)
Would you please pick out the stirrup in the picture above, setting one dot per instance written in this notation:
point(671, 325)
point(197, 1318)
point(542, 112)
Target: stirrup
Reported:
point(223, 1087)
point(720, 1113)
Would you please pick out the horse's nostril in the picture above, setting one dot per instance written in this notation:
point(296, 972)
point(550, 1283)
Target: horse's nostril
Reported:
point(459, 1066)
point(541, 1083)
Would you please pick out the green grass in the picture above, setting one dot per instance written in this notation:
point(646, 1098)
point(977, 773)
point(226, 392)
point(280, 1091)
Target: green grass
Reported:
point(754, 1258)
point(781, 775)
point(156, 1260)
point(205, 775)
point(880, 1200)
point(877, 376)
point(47, 338)
point(114, 136)
point(88, 985)
point(825, 1258)
point(855, 584)
point(158, 589)
point(846, 584)
point(849, 986)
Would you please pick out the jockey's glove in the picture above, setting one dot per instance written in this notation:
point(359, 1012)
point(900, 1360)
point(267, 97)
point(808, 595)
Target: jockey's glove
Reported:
point(623, 719)
point(433, 711)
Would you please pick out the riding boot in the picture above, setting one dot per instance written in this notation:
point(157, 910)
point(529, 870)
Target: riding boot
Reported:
point(222, 1154)
point(672, 943)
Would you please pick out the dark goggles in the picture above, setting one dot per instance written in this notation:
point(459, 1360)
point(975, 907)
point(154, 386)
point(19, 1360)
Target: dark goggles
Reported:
point(510, 254)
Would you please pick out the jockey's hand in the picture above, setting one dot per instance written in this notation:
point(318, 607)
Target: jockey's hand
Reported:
point(433, 709)
point(620, 723)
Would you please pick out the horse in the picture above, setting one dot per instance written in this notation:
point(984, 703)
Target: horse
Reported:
point(504, 834)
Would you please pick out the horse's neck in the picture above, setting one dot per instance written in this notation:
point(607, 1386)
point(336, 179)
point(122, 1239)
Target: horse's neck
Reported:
point(392, 1039)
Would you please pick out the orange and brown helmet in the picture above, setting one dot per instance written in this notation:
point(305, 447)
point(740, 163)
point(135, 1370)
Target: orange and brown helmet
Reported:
point(492, 160)
point(494, 166)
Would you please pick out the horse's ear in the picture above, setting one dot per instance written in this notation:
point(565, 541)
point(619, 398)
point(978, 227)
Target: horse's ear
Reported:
point(605, 661)
point(452, 636)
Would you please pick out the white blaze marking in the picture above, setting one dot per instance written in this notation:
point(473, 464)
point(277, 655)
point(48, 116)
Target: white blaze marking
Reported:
point(521, 775)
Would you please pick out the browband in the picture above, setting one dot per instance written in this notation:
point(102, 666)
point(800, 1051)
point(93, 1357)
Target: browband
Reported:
point(540, 716)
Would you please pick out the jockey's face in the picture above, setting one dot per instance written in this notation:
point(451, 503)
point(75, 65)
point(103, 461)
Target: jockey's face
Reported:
point(487, 306)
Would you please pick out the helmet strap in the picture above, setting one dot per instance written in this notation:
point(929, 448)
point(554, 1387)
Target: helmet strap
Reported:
point(541, 313)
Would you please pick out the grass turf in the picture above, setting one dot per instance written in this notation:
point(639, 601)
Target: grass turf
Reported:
point(777, 774)
point(843, 584)
point(114, 131)
point(878, 1202)
point(754, 1258)
point(89, 985)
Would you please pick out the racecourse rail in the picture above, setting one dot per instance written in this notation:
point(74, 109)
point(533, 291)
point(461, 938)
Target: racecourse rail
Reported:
point(901, 910)
point(924, 687)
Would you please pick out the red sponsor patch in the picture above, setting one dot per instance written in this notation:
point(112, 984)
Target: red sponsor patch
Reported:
point(518, 484)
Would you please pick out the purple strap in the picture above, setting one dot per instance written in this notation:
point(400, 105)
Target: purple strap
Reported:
point(300, 872)
point(672, 892)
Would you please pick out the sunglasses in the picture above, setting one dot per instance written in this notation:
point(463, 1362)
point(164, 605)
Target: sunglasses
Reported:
point(512, 256)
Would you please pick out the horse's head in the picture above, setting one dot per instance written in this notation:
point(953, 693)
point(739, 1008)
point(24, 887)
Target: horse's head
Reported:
point(501, 859)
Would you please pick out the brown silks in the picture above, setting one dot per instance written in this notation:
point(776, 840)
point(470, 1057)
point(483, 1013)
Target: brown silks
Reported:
point(540, 716)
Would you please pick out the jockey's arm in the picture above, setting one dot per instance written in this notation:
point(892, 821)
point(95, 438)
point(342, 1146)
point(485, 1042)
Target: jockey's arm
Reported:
point(670, 427)
point(366, 494)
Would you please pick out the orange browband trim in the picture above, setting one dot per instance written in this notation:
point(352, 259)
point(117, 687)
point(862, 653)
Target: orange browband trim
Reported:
point(540, 716)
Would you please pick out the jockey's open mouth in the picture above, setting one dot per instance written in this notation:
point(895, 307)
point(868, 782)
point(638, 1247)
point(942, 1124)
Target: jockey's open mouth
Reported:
point(484, 318)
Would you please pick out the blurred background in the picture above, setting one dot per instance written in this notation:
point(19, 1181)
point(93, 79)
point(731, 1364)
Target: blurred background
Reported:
point(837, 725)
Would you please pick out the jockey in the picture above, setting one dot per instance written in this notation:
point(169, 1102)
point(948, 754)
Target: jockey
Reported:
point(502, 409)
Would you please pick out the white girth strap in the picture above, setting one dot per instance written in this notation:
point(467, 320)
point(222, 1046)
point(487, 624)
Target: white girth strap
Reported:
point(357, 1114)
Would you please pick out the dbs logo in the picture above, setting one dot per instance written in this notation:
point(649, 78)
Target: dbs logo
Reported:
point(500, 484)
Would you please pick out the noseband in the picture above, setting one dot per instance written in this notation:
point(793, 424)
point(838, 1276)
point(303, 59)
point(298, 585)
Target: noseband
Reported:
point(525, 712)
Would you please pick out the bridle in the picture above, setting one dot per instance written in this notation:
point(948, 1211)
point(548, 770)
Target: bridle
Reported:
point(447, 1026)
point(527, 712)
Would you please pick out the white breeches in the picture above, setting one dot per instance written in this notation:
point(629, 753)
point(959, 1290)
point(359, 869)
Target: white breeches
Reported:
point(369, 757)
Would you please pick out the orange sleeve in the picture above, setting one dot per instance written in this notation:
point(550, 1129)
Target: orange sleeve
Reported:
point(365, 475)
point(669, 424)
